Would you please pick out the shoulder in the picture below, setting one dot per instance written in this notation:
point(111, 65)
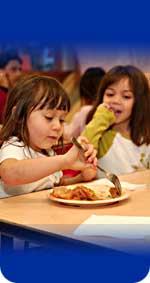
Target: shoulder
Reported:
point(83, 111)
point(86, 108)
point(12, 149)
point(13, 141)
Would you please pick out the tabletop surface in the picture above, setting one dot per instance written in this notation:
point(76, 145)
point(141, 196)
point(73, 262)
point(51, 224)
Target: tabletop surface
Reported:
point(36, 211)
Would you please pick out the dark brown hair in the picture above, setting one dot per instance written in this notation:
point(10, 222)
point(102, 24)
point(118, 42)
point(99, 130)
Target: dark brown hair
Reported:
point(89, 83)
point(29, 92)
point(140, 117)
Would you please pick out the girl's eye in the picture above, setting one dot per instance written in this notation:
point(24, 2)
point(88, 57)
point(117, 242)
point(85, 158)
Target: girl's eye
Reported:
point(127, 96)
point(48, 118)
point(109, 94)
point(51, 118)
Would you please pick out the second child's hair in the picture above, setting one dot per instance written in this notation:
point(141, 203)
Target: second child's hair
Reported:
point(139, 121)
point(31, 91)
point(90, 82)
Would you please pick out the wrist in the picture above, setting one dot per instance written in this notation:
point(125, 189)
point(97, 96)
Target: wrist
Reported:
point(64, 164)
point(103, 112)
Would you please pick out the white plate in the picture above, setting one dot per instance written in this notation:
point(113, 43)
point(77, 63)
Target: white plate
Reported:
point(125, 195)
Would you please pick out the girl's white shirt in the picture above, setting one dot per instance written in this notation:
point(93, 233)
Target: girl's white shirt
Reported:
point(123, 156)
point(16, 149)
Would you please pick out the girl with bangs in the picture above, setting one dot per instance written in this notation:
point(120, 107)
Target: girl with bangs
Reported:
point(33, 124)
point(119, 124)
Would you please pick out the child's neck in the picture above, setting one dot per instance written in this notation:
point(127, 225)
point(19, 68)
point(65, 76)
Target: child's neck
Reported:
point(122, 129)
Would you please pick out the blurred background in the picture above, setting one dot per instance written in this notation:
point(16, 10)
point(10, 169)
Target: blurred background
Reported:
point(67, 62)
point(65, 57)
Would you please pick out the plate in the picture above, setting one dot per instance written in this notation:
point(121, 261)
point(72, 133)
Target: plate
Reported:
point(125, 194)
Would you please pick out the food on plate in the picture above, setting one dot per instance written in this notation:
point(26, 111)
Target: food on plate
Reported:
point(114, 193)
point(81, 192)
point(61, 192)
point(78, 193)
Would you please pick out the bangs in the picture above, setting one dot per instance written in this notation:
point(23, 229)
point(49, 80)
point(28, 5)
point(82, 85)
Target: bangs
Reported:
point(121, 72)
point(115, 78)
point(51, 95)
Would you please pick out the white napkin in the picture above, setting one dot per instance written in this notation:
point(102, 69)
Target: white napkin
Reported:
point(126, 185)
point(133, 227)
point(133, 187)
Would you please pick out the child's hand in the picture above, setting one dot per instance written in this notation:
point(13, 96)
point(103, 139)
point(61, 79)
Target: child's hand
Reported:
point(89, 170)
point(106, 105)
point(77, 160)
point(90, 152)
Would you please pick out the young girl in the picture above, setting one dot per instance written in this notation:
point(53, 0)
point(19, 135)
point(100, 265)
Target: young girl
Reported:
point(34, 117)
point(119, 124)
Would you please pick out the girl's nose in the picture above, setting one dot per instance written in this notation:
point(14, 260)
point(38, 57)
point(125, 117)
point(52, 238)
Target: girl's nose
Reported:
point(56, 124)
point(116, 99)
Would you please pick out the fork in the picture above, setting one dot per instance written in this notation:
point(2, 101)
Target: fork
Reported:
point(110, 176)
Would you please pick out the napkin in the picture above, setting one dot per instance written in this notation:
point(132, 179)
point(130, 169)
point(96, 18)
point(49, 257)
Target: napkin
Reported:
point(132, 227)
point(129, 186)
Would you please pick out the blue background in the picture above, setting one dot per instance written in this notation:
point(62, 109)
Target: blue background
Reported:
point(119, 22)
point(74, 264)
point(122, 23)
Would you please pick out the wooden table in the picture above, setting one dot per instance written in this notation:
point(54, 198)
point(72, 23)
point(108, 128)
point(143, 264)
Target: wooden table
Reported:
point(35, 212)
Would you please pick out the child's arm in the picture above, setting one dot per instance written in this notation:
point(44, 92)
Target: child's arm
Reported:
point(88, 172)
point(103, 118)
point(16, 172)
